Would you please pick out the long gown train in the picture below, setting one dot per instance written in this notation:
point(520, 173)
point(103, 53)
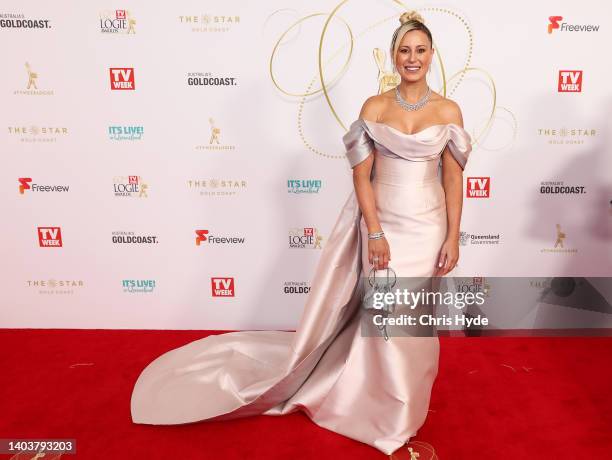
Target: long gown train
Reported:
point(366, 388)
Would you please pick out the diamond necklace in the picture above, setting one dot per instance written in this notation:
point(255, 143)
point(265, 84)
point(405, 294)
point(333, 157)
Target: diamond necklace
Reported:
point(407, 105)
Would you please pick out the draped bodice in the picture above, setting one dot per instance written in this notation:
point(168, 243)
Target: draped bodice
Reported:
point(364, 136)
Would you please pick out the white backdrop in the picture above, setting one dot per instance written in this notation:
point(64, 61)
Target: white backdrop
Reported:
point(223, 157)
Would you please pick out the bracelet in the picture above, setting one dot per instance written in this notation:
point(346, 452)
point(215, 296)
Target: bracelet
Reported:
point(376, 235)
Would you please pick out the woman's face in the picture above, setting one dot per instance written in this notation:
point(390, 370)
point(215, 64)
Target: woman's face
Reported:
point(413, 55)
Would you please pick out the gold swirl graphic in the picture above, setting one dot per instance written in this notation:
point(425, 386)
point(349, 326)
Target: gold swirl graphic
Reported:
point(454, 80)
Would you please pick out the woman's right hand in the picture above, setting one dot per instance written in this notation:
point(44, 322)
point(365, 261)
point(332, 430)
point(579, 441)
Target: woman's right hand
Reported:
point(379, 253)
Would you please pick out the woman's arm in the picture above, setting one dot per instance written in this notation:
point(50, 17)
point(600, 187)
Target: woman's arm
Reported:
point(365, 195)
point(452, 181)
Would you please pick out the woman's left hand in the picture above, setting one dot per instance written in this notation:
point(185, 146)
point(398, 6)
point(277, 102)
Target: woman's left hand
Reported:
point(449, 256)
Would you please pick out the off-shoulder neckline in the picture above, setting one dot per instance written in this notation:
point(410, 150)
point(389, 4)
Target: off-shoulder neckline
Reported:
point(409, 134)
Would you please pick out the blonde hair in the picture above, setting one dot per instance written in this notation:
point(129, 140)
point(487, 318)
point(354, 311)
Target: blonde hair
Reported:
point(409, 20)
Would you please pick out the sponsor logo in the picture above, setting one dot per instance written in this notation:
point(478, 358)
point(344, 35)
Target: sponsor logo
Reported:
point(122, 78)
point(570, 81)
point(37, 133)
point(305, 238)
point(55, 287)
point(567, 136)
point(31, 87)
point(554, 23)
point(50, 237)
point(207, 79)
point(117, 22)
point(130, 186)
point(559, 246)
point(296, 287)
point(559, 188)
point(132, 238)
point(222, 287)
point(25, 184)
point(209, 23)
point(217, 187)
point(203, 236)
point(138, 286)
point(479, 239)
point(19, 21)
point(125, 133)
point(303, 186)
point(215, 139)
point(478, 187)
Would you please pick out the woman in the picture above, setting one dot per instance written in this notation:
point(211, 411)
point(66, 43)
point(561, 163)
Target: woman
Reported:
point(372, 390)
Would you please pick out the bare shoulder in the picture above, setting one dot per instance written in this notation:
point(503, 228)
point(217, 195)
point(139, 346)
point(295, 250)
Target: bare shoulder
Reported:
point(450, 111)
point(372, 107)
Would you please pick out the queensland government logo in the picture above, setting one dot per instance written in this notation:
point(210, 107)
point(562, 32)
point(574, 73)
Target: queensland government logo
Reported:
point(31, 87)
point(478, 239)
point(555, 23)
point(19, 21)
point(217, 187)
point(130, 186)
point(560, 188)
point(215, 141)
point(117, 22)
point(567, 136)
point(305, 238)
point(138, 286)
point(298, 186)
point(25, 183)
point(209, 22)
point(38, 133)
point(560, 246)
point(54, 286)
point(120, 237)
point(204, 236)
point(207, 79)
point(125, 133)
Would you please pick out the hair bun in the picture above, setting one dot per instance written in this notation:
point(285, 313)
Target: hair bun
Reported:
point(411, 16)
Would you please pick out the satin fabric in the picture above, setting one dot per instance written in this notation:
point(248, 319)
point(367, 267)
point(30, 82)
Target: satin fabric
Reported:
point(366, 388)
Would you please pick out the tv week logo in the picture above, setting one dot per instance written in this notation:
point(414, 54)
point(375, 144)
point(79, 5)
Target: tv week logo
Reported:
point(222, 287)
point(49, 237)
point(201, 236)
point(24, 184)
point(570, 81)
point(478, 187)
point(122, 78)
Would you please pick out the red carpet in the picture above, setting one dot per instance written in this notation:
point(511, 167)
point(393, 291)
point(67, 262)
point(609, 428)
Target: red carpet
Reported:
point(495, 398)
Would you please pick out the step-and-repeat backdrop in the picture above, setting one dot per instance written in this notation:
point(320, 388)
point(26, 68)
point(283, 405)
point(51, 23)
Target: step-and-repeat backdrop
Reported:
point(180, 165)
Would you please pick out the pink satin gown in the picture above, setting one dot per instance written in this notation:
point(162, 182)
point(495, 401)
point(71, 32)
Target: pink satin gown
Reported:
point(366, 388)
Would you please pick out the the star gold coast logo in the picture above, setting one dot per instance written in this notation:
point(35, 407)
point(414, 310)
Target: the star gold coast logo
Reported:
point(215, 187)
point(305, 238)
point(210, 22)
point(31, 87)
point(216, 139)
point(38, 133)
point(130, 186)
point(567, 136)
point(117, 22)
point(54, 286)
point(560, 246)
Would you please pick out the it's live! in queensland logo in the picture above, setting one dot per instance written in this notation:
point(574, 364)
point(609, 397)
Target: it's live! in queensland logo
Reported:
point(122, 78)
point(50, 237)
